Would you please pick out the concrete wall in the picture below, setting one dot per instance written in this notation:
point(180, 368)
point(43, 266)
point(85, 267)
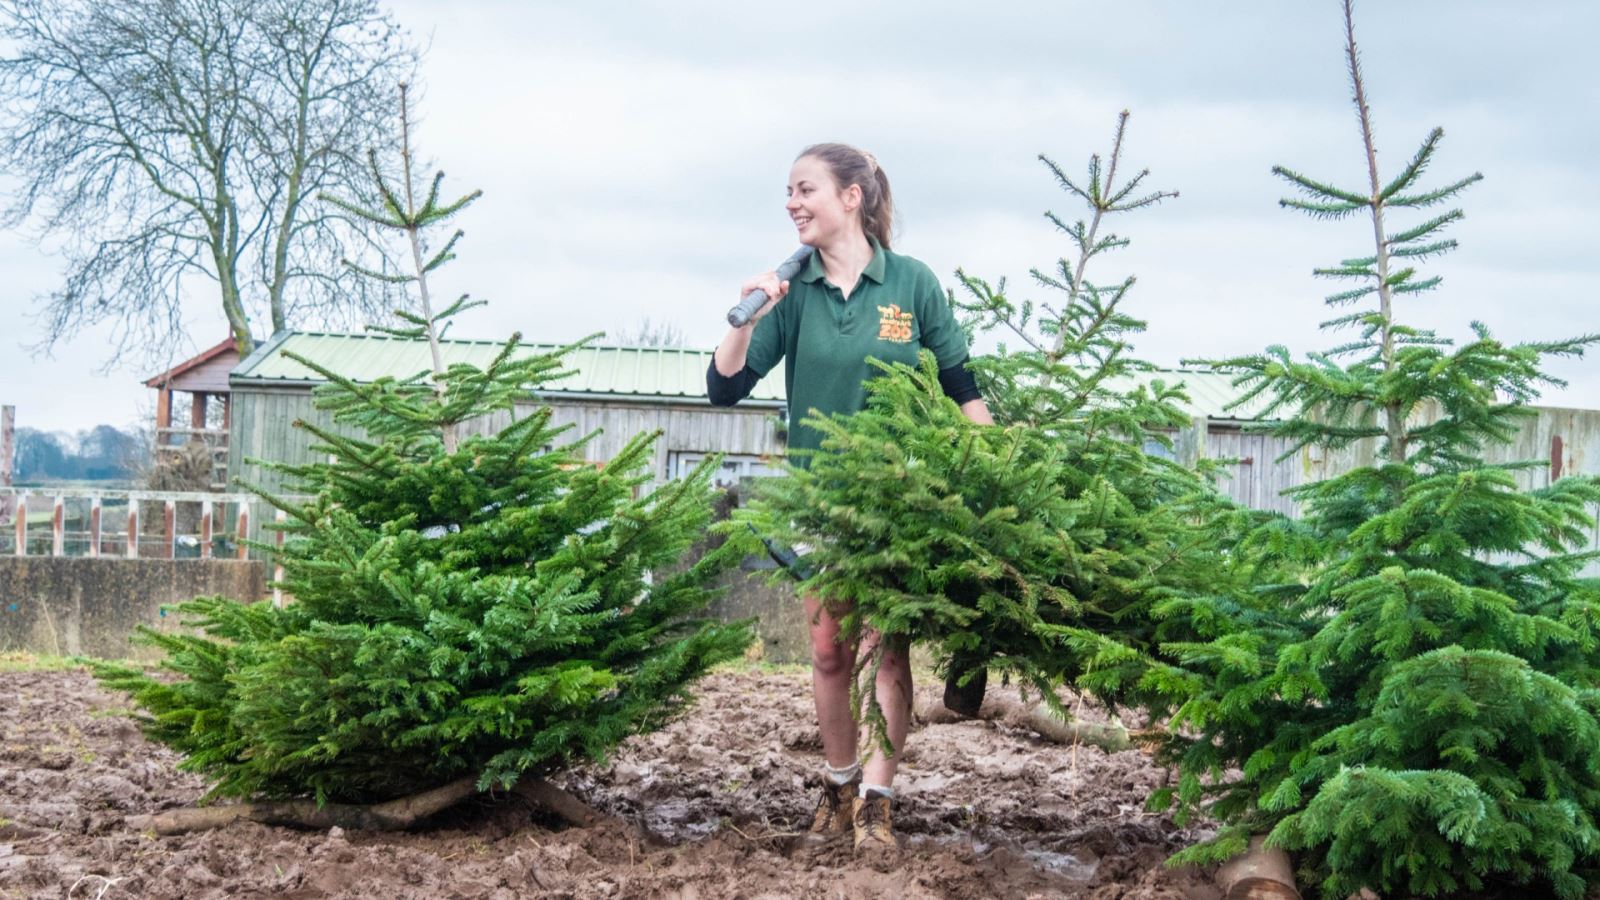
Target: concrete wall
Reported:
point(780, 621)
point(76, 606)
point(780, 618)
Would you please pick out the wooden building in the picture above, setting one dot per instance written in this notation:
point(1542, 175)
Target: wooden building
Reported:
point(204, 380)
point(621, 391)
point(615, 391)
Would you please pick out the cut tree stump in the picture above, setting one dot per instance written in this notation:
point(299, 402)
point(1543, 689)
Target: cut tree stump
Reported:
point(391, 815)
point(929, 710)
point(1259, 873)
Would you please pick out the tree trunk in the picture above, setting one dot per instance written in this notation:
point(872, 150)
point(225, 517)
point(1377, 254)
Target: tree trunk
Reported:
point(1259, 873)
point(232, 304)
point(929, 710)
point(392, 815)
point(1394, 424)
point(7, 454)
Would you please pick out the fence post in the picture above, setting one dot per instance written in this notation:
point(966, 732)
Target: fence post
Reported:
point(205, 529)
point(170, 535)
point(277, 565)
point(58, 527)
point(242, 528)
point(133, 527)
point(94, 528)
point(22, 525)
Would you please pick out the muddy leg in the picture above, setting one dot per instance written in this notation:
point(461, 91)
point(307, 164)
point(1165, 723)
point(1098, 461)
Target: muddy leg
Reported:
point(893, 689)
point(831, 664)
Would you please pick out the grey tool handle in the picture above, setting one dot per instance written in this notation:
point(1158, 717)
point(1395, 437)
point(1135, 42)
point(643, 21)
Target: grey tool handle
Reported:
point(757, 298)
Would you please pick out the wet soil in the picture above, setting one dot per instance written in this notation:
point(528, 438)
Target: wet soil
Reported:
point(705, 808)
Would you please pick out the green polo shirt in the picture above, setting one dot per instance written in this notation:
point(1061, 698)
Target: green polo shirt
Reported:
point(825, 339)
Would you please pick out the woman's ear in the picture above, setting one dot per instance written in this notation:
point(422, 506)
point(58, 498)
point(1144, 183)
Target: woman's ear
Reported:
point(851, 197)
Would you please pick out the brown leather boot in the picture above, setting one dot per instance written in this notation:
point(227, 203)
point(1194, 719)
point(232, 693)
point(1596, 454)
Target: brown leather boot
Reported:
point(874, 830)
point(834, 808)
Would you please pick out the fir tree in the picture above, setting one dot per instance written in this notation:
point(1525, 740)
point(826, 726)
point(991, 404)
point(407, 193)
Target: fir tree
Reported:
point(466, 606)
point(1414, 710)
point(1037, 547)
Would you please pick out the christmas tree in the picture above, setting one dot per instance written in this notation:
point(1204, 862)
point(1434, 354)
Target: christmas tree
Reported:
point(1037, 547)
point(469, 609)
point(1413, 709)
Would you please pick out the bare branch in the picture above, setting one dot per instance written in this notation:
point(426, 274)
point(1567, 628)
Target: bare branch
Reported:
point(159, 139)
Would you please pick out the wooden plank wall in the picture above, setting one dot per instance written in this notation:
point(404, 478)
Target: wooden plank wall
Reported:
point(1567, 441)
point(210, 376)
point(263, 428)
point(1258, 479)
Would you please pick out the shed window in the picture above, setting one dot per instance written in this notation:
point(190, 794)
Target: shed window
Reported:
point(1153, 447)
point(734, 466)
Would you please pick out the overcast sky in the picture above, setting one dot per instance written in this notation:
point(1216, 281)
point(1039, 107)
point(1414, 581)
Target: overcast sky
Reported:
point(633, 157)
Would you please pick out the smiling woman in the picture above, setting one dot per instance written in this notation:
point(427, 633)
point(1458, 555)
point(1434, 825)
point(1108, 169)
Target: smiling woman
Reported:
point(854, 301)
point(833, 165)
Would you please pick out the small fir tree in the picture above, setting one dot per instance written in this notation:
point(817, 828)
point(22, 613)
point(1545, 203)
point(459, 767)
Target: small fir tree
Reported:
point(1415, 710)
point(1035, 548)
point(466, 606)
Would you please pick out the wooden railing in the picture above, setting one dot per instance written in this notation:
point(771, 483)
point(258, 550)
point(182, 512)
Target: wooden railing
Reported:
point(127, 541)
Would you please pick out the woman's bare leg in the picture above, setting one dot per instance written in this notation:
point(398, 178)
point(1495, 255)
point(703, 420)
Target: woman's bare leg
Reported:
point(831, 665)
point(893, 689)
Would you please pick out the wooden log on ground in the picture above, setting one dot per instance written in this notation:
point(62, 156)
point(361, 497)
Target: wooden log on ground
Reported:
point(570, 808)
point(391, 815)
point(1111, 738)
point(1259, 873)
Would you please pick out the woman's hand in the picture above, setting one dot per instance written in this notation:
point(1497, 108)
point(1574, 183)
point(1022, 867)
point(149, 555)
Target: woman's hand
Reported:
point(730, 354)
point(776, 290)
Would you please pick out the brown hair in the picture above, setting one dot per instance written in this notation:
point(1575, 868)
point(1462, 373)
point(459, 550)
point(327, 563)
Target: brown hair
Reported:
point(849, 165)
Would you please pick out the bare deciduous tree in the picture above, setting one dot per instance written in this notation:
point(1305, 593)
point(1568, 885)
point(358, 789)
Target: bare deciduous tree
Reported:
point(650, 334)
point(160, 140)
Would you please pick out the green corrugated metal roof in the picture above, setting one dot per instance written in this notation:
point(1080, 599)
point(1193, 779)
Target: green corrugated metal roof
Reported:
point(1209, 393)
point(654, 372)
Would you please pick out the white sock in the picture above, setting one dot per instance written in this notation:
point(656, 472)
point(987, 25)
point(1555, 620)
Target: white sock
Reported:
point(841, 776)
point(883, 789)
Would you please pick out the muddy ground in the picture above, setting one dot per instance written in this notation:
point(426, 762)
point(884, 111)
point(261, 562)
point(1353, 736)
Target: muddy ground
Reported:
point(704, 809)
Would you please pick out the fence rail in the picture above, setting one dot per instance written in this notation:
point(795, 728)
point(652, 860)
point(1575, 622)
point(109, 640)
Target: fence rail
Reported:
point(187, 519)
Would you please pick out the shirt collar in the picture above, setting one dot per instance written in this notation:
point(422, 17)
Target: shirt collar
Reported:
point(813, 271)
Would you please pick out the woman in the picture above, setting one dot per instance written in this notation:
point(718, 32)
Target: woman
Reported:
point(854, 300)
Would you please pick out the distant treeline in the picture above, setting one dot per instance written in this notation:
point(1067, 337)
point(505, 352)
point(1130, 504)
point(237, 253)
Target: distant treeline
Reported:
point(103, 453)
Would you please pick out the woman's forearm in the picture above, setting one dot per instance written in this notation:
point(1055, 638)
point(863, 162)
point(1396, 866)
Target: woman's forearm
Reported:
point(977, 411)
point(730, 355)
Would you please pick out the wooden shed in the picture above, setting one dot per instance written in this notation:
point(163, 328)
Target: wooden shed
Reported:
point(616, 391)
point(621, 391)
point(1260, 467)
point(204, 378)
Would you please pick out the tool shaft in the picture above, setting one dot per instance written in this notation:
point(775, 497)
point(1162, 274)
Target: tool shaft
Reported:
point(752, 303)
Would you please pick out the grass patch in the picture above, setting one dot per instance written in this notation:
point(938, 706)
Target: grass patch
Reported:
point(751, 663)
point(22, 661)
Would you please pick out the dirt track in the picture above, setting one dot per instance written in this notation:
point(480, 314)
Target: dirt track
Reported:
point(705, 808)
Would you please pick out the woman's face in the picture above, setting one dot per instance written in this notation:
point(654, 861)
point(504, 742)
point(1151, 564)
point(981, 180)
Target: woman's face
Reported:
point(820, 211)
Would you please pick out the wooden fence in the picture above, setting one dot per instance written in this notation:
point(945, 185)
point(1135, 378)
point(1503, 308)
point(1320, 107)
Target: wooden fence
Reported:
point(92, 522)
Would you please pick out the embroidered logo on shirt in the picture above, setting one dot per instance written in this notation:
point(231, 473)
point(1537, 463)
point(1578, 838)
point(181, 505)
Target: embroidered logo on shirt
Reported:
point(894, 325)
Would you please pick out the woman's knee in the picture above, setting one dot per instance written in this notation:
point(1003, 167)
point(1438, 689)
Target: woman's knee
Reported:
point(831, 658)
